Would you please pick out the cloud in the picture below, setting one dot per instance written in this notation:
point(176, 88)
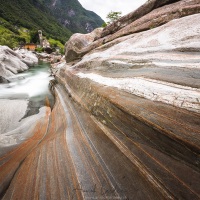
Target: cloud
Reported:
point(102, 8)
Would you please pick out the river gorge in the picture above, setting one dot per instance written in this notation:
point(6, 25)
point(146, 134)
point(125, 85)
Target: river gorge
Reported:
point(121, 119)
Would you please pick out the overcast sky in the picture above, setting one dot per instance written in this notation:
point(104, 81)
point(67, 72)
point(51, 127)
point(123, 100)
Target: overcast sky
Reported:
point(103, 7)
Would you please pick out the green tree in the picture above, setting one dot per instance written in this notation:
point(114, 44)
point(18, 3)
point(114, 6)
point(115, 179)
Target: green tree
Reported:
point(113, 16)
point(104, 25)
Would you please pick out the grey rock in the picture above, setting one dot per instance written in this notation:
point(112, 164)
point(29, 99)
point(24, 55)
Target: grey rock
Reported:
point(13, 62)
point(10, 62)
point(75, 47)
point(3, 80)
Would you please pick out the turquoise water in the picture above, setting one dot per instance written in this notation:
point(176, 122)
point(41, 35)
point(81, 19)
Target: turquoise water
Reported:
point(32, 85)
point(29, 84)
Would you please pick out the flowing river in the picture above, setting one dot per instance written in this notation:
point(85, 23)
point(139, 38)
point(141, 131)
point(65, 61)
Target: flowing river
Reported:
point(31, 85)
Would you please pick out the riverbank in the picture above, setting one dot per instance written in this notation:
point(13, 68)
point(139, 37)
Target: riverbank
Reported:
point(26, 102)
point(25, 86)
point(13, 62)
point(24, 96)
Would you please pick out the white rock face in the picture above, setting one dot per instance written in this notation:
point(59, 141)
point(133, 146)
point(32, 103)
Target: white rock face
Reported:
point(176, 95)
point(27, 57)
point(12, 62)
point(16, 132)
point(9, 115)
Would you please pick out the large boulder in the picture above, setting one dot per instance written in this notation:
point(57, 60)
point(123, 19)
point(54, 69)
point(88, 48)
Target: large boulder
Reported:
point(74, 48)
point(27, 57)
point(10, 62)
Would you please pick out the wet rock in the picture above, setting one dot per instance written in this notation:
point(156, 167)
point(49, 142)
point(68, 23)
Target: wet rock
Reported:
point(3, 80)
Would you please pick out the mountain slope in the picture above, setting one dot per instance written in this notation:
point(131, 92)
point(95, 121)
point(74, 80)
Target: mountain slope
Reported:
point(33, 16)
point(58, 19)
point(73, 16)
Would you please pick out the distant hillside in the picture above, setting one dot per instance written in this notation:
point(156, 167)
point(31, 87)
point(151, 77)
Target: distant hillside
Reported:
point(58, 19)
point(73, 16)
point(31, 14)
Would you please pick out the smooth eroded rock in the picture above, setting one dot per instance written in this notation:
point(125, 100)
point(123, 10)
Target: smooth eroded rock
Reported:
point(74, 48)
point(10, 62)
point(28, 57)
point(125, 124)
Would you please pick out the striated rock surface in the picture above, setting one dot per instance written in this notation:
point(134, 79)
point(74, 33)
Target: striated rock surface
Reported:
point(16, 144)
point(9, 116)
point(143, 90)
point(149, 63)
point(126, 122)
